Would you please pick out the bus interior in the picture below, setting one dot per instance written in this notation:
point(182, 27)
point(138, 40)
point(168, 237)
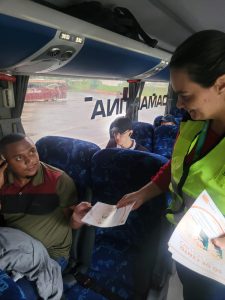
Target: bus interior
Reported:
point(68, 68)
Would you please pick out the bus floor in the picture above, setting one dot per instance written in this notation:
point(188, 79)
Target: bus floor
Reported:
point(173, 291)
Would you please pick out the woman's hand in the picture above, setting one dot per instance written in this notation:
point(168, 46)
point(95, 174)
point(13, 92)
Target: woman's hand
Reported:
point(139, 197)
point(79, 211)
point(135, 197)
point(219, 242)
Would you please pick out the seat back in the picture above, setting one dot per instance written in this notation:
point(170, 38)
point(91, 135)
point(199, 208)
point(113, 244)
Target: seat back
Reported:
point(157, 121)
point(123, 256)
point(9, 290)
point(164, 139)
point(74, 157)
point(143, 134)
point(179, 114)
point(70, 155)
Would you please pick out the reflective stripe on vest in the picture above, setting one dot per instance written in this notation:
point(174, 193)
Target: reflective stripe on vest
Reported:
point(206, 173)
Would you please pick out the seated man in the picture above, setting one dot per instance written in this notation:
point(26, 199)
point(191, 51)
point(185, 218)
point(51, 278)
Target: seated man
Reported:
point(168, 120)
point(37, 198)
point(120, 135)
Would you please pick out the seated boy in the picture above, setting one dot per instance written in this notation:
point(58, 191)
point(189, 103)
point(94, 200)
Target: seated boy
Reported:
point(120, 135)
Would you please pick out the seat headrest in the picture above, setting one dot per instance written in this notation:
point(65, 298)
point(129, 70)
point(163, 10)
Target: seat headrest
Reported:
point(70, 155)
point(116, 172)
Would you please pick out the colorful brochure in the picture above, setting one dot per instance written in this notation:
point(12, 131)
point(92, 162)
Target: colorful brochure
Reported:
point(190, 243)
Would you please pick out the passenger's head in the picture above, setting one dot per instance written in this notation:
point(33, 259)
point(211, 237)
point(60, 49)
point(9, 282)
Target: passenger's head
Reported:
point(198, 74)
point(21, 154)
point(168, 120)
point(121, 131)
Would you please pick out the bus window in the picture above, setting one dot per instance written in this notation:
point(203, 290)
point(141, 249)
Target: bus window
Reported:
point(40, 89)
point(153, 101)
point(78, 108)
point(84, 108)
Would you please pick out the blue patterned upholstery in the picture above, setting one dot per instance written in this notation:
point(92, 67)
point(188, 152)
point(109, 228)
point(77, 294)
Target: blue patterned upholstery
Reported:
point(179, 114)
point(164, 139)
point(74, 157)
point(124, 256)
point(143, 134)
point(77, 292)
point(157, 121)
point(9, 290)
point(71, 155)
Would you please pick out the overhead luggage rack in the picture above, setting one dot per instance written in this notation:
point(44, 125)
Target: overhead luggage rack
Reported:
point(45, 41)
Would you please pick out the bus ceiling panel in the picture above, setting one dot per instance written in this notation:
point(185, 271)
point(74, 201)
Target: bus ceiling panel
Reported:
point(162, 75)
point(20, 39)
point(89, 58)
point(28, 47)
point(55, 54)
point(97, 59)
point(199, 15)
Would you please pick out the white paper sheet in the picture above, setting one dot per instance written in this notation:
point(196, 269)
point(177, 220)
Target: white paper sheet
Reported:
point(105, 215)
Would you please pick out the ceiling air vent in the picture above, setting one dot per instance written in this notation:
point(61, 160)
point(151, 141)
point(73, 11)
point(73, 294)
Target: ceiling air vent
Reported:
point(58, 52)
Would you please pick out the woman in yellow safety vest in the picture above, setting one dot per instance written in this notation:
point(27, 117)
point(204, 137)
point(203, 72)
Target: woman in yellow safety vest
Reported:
point(197, 70)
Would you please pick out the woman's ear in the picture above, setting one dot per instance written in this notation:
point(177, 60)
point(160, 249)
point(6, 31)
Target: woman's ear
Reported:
point(220, 84)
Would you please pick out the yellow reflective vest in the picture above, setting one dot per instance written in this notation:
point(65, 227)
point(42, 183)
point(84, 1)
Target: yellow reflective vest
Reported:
point(208, 172)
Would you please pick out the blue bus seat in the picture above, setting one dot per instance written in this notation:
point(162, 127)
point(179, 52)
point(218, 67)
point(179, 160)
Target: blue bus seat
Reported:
point(179, 114)
point(164, 139)
point(74, 157)
point(157, 121)
point(124, 256)
point(70, 155)
point(77, 292)
point(9, 290)
point(143, 134)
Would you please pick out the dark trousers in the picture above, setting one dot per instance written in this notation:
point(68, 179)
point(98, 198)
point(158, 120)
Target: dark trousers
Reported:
point(199, 287)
